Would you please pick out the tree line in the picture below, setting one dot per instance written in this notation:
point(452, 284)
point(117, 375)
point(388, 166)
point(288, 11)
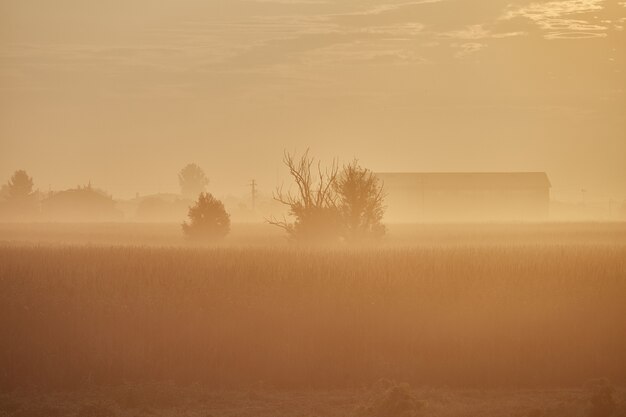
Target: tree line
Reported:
point(20, 201)
point(329, 204)
point(324, 204)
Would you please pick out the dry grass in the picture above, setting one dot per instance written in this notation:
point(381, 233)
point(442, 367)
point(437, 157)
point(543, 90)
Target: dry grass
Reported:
point(255, 234)
point(167, 400)
point(472, 312)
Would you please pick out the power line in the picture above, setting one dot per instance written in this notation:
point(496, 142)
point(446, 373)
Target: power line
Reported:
point(253, 186)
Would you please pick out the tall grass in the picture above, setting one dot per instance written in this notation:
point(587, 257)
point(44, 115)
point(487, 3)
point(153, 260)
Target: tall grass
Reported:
point(459, 315)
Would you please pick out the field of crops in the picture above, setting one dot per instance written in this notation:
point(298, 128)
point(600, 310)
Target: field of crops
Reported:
point(462, 307)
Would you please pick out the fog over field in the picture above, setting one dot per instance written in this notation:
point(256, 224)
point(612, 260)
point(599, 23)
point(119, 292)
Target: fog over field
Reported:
point(313, 208)
point(436, 320)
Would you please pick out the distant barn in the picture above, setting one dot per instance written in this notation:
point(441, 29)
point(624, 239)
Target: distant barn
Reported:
point(426, 197)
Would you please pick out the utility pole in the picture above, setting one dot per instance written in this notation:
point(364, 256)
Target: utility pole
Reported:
point(254, 193)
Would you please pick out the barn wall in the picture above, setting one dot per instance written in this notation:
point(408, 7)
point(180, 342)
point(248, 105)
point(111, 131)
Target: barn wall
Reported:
point(417, 204)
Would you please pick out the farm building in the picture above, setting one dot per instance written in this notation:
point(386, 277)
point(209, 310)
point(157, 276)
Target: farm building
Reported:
point(454, 197)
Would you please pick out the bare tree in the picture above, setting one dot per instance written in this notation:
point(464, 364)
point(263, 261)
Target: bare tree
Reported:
point(192, 181)
point(360, 199)
point(314, 204)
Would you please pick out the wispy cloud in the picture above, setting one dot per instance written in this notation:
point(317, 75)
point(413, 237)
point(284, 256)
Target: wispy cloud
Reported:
point(291, 39)
point(563, 19)
point(468, 48)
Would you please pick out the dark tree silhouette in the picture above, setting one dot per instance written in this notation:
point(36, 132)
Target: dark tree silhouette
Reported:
point(208, 219)
point(19, 200)
point(360, 199)
point(20, 185)
point(192, 181)
point(314, 205)
point(330, 205)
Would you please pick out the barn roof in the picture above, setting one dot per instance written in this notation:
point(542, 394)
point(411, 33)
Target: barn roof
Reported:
point(466, 180)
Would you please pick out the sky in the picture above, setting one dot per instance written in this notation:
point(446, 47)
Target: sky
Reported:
point(124, 93)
